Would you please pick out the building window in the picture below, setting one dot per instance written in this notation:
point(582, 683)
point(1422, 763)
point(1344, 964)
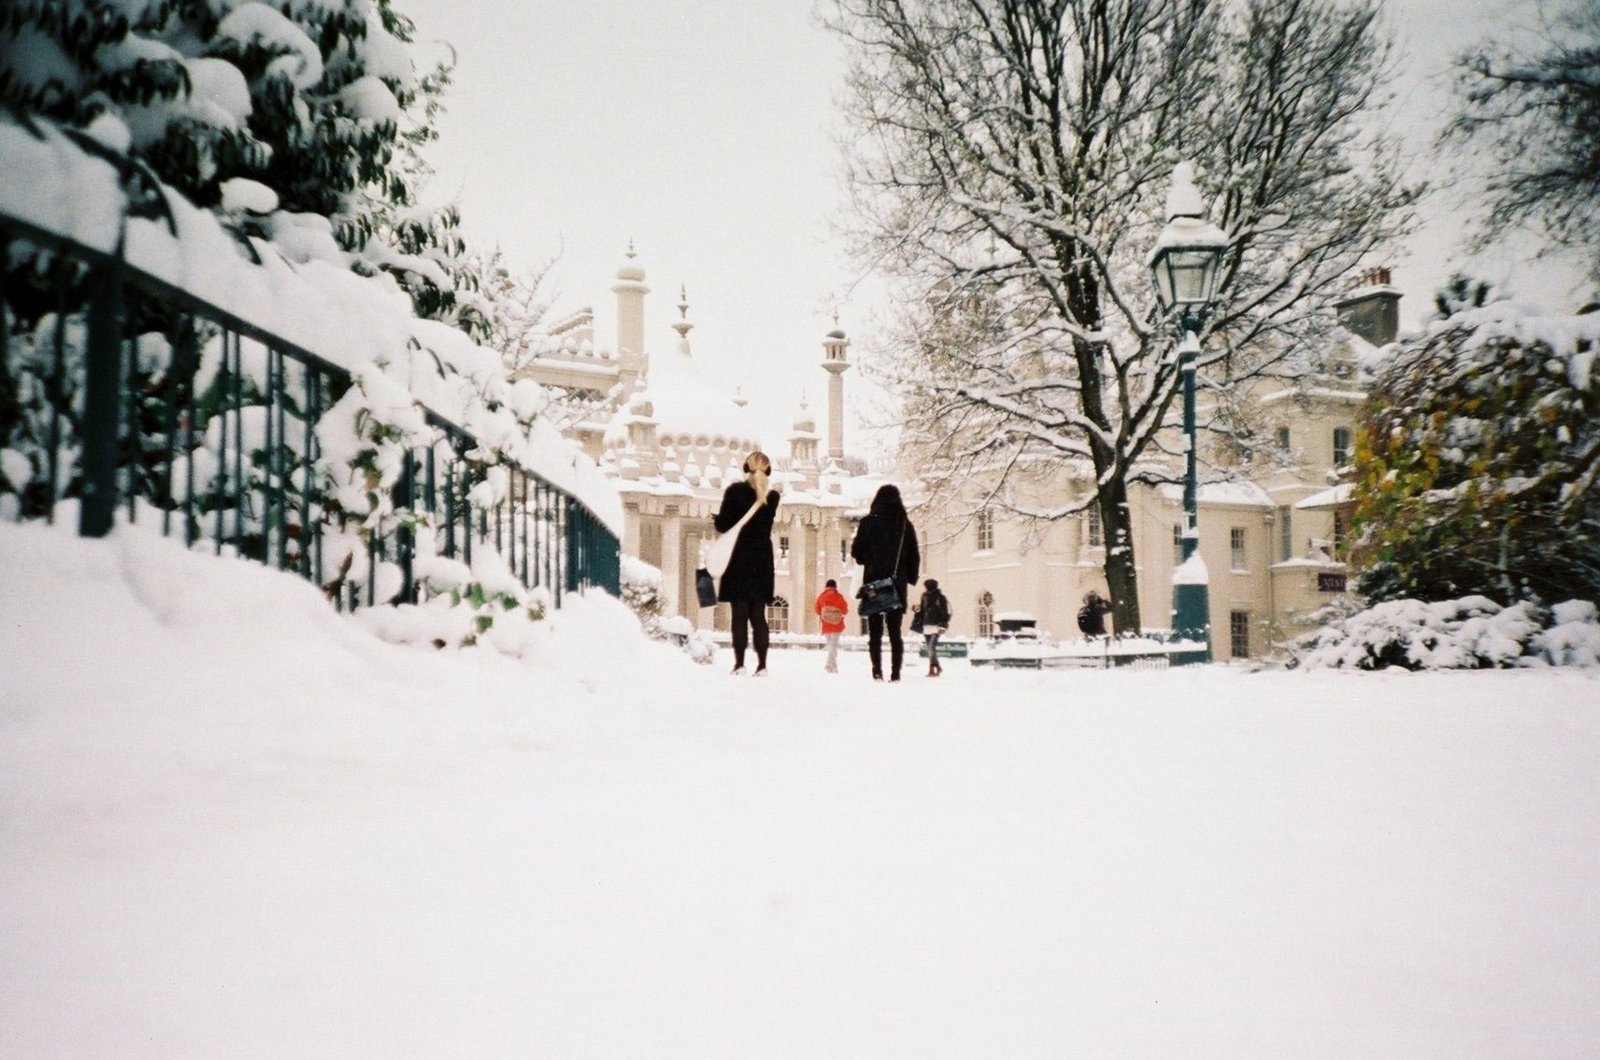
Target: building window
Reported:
point(1284, 438)
point(1341, 530)
point(1177, 544)
point(986, 614)
point(1341, 446)
point(984, 523)
point(1239, 634)
point(1285, 534)
point(1097, 537)
point(778, 615)
point(1236, 542)
point(844, 551)
point(783, 546)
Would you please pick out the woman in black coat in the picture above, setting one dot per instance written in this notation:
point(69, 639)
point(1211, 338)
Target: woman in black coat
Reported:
point(747, 584)
point(886, 547)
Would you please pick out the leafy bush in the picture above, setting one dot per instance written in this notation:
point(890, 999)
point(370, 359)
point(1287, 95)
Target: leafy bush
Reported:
point(1477, 464)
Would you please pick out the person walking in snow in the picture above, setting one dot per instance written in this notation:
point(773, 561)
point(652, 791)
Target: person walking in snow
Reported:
point(932, 619)
point(886, 547)
point(748, 582)
point(1092, 615)
point(831, 607)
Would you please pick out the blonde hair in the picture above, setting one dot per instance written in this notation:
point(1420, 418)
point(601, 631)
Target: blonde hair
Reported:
point(756, 467)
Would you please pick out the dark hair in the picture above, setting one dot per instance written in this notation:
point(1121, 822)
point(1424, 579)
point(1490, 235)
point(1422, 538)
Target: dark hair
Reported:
point(887, 503)
point(832, 584)
point(932, 585)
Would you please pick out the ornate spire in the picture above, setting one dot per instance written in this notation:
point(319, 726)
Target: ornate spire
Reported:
point(630, 271)
point(682, 325)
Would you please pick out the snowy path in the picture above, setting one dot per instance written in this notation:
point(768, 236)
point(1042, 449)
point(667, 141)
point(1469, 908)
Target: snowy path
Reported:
point(317, 845)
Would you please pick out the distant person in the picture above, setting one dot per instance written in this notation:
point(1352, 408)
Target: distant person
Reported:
point(886, 547)
point(933, 616)
point(748, 582)
point(831, 608)
point(1092, 615)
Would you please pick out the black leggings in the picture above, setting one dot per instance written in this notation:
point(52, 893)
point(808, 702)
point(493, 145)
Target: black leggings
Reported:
point(756, 615)
point(897, 648)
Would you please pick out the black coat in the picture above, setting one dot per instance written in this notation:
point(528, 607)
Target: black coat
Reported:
point(749, 575)
point(877, 541)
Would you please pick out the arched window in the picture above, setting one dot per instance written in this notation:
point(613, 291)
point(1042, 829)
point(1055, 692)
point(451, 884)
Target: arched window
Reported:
point(986, 614)
point(778, 615)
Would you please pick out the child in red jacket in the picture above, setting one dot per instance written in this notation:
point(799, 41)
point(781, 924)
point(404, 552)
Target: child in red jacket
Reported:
point(831, 608)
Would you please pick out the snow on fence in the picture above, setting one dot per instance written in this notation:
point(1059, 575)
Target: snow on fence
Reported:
point(298, 415)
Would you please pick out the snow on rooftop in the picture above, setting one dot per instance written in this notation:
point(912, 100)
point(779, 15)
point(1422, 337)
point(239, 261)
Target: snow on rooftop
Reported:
point(1228, 493)
point(1328, 498)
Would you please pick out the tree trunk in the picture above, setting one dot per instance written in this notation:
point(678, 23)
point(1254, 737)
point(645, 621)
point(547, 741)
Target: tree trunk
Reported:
point(1122, 581)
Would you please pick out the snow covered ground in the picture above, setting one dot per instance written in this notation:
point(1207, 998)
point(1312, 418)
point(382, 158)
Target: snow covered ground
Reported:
point(234, 824)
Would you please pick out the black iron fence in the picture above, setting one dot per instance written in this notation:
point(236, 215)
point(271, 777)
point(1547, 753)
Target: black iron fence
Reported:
point(122, 393)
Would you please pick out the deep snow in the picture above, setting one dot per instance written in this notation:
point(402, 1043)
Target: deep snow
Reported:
point(235, 824)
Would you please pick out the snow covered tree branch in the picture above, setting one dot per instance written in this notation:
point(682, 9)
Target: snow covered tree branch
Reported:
point(1536, 115)
point(1007, 167)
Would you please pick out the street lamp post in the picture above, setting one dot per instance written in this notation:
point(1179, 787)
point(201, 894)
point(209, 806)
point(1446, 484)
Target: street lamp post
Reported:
point(1186, 266)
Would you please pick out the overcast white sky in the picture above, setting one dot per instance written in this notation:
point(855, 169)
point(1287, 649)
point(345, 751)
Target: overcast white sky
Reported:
point(702, 130)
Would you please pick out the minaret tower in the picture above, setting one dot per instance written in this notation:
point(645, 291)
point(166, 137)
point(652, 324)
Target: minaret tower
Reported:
point(630, 290)
point(682, 325)
point(834, 363)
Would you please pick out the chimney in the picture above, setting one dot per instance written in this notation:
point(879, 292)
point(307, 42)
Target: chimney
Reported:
point(1372, 308)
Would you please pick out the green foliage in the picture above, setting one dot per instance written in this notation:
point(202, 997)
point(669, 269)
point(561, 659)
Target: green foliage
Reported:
point(1476, 465)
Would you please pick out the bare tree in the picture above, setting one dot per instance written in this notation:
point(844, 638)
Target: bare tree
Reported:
point(1535, 110)
point(1007, 163)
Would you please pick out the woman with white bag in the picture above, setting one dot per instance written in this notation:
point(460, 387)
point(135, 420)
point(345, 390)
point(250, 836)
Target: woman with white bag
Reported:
point(748, 581)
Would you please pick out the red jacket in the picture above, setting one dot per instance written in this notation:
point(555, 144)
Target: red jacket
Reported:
point(832, 598)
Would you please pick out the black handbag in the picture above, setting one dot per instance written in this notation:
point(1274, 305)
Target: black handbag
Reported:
point(883, 594)
point(918, 621)
point(880, 596)
point(705, 588)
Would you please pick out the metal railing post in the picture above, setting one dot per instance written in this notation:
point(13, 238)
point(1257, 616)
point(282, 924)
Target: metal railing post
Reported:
point(102, 404)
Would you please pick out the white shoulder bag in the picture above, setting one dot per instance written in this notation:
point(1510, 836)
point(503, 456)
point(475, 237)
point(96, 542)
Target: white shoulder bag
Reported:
point(720, 551)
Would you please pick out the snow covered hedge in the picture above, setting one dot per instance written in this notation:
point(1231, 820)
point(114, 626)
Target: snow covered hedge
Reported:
point(641, 591)
point(1473, 633)
point(399, 366)
point(1477, 469)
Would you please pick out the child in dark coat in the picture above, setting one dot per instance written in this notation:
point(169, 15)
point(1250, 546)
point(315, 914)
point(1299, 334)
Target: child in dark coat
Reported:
point(933, 616)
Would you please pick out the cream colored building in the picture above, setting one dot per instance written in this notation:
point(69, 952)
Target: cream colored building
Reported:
point(1270, 542)
point(672, 438)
